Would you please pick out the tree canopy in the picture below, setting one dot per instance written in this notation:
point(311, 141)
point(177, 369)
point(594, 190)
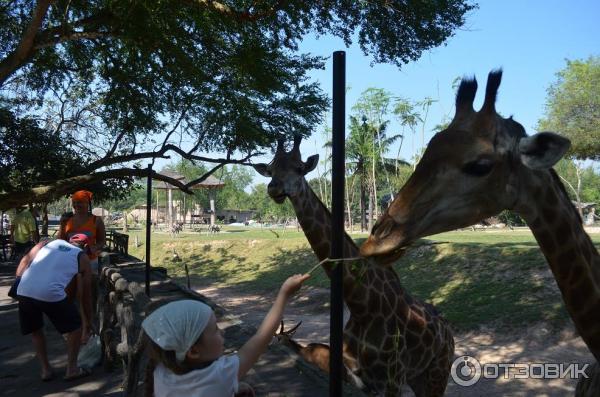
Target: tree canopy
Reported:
point(573, 106)
point(121, 81)
point(30, 155)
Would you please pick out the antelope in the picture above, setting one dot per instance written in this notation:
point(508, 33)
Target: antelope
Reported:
point(314, 353)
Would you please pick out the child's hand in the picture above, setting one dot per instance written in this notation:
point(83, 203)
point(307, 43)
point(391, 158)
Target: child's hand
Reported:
point(293, 284)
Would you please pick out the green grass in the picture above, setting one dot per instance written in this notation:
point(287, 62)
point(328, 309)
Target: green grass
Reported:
point(497, 279)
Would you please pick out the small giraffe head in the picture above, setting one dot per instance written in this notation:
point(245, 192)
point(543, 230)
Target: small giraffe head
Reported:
point(286, 171)
point(478, 166)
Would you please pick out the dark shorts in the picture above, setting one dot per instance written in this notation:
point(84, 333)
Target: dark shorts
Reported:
point(63, 315)
point(23, 248)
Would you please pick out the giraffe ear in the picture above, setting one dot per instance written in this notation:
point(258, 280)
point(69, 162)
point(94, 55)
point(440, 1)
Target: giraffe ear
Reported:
point(262, 169)
point(311, 163)
point(541, 151)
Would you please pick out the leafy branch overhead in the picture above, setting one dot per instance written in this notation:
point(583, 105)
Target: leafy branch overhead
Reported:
point(126, 80)
point(573, 106)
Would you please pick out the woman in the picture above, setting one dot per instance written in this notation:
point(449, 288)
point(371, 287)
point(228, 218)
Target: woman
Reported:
point(82, 221)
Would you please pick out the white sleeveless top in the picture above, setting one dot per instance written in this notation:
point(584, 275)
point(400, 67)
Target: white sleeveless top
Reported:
point(217, 380)
point(50, 272)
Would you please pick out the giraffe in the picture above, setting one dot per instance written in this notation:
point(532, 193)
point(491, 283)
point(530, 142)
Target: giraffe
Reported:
point(484, 163)
point(390, 338)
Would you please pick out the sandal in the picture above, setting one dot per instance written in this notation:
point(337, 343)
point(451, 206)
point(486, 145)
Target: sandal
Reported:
point(83, 372)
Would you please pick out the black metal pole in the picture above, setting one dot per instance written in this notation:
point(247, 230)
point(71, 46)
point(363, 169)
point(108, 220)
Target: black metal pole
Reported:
point(148, 226)
point(337, 223)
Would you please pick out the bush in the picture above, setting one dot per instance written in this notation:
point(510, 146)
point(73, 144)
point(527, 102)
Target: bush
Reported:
point(511, 218)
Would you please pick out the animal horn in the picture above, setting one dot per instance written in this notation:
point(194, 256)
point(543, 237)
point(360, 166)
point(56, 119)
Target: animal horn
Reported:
point(280, 143)
point(491, 90)
point(297, 140)
point(293, 330)
point(465, 96)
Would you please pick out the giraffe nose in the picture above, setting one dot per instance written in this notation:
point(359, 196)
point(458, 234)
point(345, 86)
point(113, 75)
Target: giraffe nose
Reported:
point(275, 188)
point(385, 237)
point(383, 227)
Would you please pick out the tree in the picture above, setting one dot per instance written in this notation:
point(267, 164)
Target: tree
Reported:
point(372, 106)
point(366, 147)
point(233, 195)
point(425, 104)
point(582, 183)
point(573, 106)
point(404, 110)
point(372, 142)
point(224, 76)
point(267, 209)
point(30, 155)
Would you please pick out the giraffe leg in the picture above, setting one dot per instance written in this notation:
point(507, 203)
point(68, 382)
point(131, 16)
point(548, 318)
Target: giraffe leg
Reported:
point(433, 381)
point(588, 387)
point(418, 385)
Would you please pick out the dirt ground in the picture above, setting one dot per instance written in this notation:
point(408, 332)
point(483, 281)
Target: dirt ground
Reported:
point(278, 373)
point(532, 344)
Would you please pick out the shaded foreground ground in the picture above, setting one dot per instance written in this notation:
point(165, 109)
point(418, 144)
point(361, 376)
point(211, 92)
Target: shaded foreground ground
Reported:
point(472, 284)
point(535, 344)
point(278, 373)
point(19, 368)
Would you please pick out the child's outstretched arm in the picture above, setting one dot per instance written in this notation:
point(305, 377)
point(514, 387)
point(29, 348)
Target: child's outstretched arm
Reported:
point(251, 351)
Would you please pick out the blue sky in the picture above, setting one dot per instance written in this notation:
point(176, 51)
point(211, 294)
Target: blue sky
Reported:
point(529, 40)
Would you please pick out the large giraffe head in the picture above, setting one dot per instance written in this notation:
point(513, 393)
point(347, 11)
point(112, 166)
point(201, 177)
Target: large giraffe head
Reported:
point(478, 166)
point(287, 171)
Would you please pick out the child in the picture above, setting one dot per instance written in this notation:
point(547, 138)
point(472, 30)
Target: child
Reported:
point(187, 346)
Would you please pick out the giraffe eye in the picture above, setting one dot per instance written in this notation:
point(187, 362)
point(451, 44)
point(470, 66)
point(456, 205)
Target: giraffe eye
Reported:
point(478, 167)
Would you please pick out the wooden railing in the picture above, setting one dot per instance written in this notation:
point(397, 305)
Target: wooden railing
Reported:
point(122, 305)
point(117, 242)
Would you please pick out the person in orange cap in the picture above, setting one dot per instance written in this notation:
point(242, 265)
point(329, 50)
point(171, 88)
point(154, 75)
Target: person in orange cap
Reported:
point(82, 221)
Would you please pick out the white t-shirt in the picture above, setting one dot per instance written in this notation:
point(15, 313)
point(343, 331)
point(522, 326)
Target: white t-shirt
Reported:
point(50, 272)
point(220, 379)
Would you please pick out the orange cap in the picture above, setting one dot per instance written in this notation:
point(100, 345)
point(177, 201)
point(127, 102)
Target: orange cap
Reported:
point(81, 195)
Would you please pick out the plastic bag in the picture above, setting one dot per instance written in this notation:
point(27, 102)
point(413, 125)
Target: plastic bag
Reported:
point(90, 354)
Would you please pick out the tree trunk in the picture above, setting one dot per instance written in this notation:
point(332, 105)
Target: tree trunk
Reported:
point(363, 215)
point(578, 170)
point(24, 51)
point(370, 220)
point(347, 189)
point(184, 210)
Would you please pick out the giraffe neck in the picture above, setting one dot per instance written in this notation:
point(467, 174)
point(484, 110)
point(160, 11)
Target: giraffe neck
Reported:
point(570, 253)
point(315, 220)
point(365, 286)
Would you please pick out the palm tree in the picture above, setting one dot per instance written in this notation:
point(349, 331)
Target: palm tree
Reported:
point(365, 149)
point(407, 117)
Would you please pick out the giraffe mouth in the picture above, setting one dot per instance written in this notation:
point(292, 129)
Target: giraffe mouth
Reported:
point(390, 257)
point(279, 199)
